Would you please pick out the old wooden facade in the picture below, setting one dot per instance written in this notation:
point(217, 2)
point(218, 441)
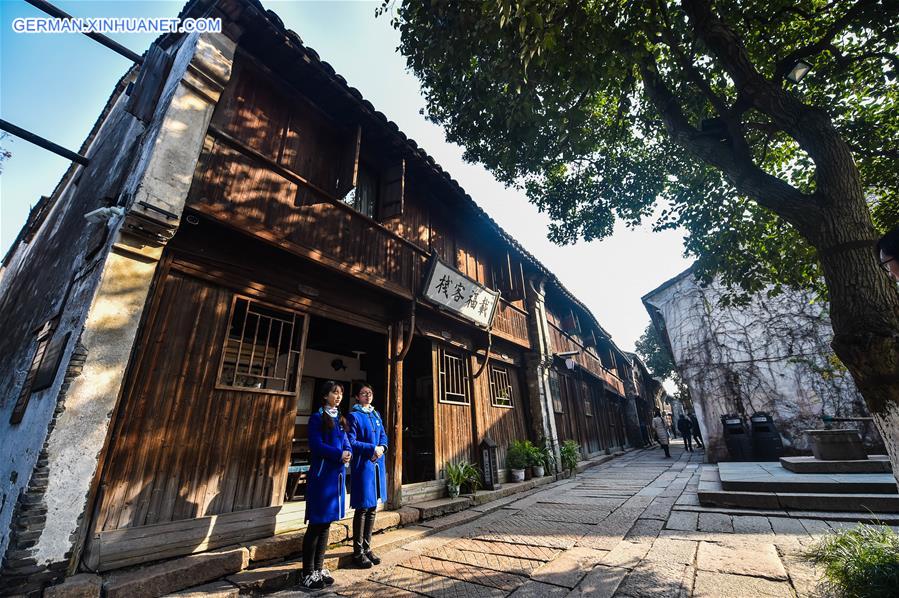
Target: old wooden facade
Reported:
point(301, 254)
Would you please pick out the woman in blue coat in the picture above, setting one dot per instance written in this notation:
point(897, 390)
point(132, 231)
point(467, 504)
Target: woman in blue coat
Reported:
point(325, 485)
point(369, 478)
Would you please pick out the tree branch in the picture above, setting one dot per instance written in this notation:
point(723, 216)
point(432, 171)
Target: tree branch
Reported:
point(783, 66)
point(769, 191)
point(811, 127)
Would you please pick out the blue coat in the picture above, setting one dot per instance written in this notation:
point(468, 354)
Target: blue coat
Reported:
point(369, 479)
point(325, 483)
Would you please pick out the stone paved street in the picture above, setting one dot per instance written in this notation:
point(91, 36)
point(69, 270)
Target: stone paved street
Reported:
point(629, 527)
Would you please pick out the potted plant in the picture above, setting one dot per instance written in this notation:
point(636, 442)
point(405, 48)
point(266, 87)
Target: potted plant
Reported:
point(517, 460)
point(459, 475)
point(571, 453)
point(454, 479)
point(548, 458)
point(535, 460)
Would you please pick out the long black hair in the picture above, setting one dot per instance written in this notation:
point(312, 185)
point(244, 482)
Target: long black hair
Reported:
point(327, 422)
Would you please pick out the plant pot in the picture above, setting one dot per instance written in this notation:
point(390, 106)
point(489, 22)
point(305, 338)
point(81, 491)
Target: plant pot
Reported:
point(538, 471)
point(517, 475)
point(527, 473)
point(452, 490)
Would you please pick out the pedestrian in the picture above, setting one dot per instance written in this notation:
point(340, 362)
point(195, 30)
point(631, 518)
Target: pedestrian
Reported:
point(658, 425)
point(368, 440)
point(697, 433)
point(685, 428)
point(888, 247)
point(326, 486)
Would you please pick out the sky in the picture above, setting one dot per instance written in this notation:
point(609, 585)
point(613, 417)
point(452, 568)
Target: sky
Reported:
point(56, 84)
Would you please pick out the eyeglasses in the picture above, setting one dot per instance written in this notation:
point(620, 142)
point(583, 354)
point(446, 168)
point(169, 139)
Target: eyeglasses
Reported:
point(884, 266)
point(366, 393)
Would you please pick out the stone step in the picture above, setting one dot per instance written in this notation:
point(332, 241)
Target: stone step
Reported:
point(342, 556)
point(712, 494)
point(268, 579)
point(773, 477)
point(873, 464)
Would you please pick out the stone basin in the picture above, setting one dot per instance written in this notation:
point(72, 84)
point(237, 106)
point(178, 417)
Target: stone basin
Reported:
point(837, 445)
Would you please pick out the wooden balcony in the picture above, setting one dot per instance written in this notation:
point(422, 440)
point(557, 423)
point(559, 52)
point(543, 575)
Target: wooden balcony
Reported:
point(245, 190)
point(511, 323)
point(563, 343)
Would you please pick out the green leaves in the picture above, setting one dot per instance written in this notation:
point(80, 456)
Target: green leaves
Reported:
point(548, 95)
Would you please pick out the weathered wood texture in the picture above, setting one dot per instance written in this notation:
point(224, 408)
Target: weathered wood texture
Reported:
point(453, 434)
point(502, 424)
point(272, 165)
point(586, 358)
point(181, 448)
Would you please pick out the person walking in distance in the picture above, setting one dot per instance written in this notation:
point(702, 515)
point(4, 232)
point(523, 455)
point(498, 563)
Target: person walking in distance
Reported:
point(658, 425)
point(685, 428)
point(697, 433)
point(369, 478)
point(326, 486)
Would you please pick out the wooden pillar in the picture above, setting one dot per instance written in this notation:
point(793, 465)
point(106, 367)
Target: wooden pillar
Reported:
point(395, 416)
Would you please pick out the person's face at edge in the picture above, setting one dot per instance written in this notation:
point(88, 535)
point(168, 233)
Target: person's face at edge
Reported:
point(365, 396)
point(333, 398)
point(891, 264)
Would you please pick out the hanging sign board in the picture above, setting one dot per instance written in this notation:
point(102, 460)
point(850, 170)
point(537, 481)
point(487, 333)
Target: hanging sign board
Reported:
point(451, 290)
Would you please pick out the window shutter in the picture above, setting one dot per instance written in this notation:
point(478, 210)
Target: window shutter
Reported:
point(349, 166)
point(150, 80)
point(393, 183)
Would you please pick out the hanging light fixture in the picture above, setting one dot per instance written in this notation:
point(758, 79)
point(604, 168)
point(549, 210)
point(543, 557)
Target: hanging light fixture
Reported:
point(799, 70)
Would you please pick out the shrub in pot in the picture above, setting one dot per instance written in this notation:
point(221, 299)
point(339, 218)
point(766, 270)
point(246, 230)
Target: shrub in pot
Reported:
point(517, 459)
point(571, 453)
point(461, 475)
point(535, 459)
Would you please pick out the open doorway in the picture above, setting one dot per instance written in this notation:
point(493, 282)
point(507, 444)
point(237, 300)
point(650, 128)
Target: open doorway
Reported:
point(340, 352)
point(418, 413)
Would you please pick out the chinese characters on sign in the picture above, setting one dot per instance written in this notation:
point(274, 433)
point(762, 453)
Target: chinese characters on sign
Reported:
point(458, 293)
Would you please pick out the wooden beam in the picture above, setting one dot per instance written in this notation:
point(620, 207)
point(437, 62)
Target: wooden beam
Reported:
point(44, 143)
point(116, 47)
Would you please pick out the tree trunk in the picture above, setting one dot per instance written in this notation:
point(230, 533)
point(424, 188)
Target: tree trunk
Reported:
point(864, 312)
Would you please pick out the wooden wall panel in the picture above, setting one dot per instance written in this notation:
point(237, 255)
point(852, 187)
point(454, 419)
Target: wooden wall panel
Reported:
point(453, 434)
point(181, 448)
point(502, 424)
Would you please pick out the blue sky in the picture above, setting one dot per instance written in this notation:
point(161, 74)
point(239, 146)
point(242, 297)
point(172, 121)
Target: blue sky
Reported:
point(56, 85)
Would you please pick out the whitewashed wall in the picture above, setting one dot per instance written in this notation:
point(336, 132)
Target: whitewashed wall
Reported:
point(771, 355)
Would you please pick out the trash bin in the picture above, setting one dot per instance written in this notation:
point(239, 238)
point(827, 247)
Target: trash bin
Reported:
point(766, 442)
point(736, 438)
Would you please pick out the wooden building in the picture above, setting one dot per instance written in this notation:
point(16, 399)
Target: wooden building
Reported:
point(307, 239)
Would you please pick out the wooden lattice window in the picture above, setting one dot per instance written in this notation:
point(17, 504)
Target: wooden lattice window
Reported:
point(500, 387)
point(453, 377)
point(556, 391)
point(588, 407)
point(262, 349)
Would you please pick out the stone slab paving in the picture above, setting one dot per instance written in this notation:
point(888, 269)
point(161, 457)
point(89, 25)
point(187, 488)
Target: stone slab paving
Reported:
point(631, 527)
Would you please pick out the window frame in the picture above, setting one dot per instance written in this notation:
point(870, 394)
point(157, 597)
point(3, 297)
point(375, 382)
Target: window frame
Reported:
point(461, 356)
point(493, 386)
point(555, 391)
point(300, 321)
point(372, 175)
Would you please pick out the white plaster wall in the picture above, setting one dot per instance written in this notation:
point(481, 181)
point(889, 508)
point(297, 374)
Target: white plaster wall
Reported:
point(766, 356)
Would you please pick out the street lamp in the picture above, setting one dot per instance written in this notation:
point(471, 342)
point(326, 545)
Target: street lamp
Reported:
point(799, 70)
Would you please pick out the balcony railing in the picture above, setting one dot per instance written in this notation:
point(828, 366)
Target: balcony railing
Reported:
point(511, 323)
point(563, 343)
point(240, 187)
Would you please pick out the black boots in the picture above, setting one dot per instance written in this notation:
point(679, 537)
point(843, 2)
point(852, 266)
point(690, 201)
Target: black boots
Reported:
point(360, 560)
point(363, 525)
point(366, 538)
